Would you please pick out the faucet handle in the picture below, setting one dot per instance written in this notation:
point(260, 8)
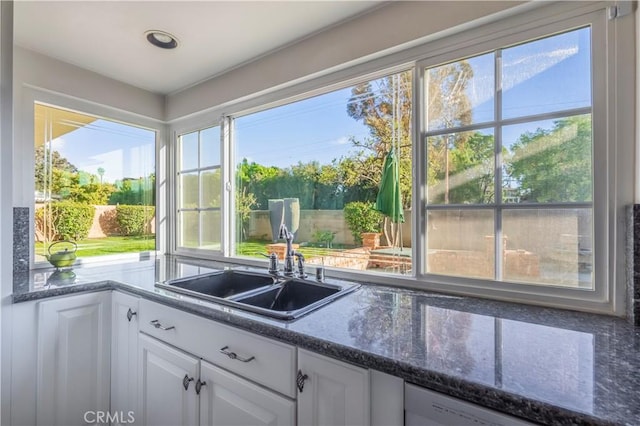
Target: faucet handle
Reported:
point(273, 262)
point(301, 272)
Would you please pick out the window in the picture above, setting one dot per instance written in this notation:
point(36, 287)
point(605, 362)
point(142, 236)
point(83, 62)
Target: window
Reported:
point(317, 165)
point(509, 164)
point(94, 184)
point(520, 167)
point(199, 190)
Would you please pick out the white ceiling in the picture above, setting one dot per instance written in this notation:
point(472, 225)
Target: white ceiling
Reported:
point(108, 36)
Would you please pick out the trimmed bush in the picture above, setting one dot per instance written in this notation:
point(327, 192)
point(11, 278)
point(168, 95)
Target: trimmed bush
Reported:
point(361, 217)
point(134, 220)
point(68, 220)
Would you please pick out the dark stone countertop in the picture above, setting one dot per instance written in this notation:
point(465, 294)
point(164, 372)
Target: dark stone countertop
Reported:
point(545, 365)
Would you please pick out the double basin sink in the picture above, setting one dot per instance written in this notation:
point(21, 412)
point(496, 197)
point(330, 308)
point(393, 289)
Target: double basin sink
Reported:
point(276, 297)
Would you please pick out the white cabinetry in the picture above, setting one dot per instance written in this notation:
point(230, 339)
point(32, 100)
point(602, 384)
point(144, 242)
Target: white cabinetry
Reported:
point(124, 355)
point(73, 358)
point(166, 385)
point(331, 392)
point(226, 399)
point(182, 388)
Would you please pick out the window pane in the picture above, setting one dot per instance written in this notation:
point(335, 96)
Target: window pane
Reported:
point(200, 188)
point(460, 93)
point(549, 246)
point(107, 168)
point(211, 225)
point(317, 165)
point(190, 190)
point(189, 227)
point(551, 74)
point(210, 184)
point(460, 168)
point(461, 243)
point(548, 161)
point(188, 151)
point(210, 147)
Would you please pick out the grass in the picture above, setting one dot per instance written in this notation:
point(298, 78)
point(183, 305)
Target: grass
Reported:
point(109, 245)
point(253, 248)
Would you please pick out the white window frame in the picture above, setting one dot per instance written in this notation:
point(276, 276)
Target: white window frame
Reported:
point(195, 124)
point(613, 185)
point(26, 154)
point(599, 295)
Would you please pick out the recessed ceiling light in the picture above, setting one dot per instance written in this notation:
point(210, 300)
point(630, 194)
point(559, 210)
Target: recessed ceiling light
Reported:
point(161, 39)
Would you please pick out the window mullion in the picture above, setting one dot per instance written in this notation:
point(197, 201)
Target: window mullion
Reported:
point(499, 247)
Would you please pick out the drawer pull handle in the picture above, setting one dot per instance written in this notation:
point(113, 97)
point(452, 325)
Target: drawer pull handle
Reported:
point(130, 314)
point(199, 386)
point(300, 380)
point(157, 324)
point(186, 380)
point(234, 355)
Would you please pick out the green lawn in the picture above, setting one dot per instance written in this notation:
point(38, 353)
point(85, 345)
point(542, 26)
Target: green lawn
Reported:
point(254, 247)
point(114, 245)
point(108, 245)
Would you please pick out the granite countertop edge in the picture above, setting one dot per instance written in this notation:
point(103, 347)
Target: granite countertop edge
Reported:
point(486, 396)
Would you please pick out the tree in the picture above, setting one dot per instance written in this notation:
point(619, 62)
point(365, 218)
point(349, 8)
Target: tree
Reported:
point(244, 202)
point(471, 169)
point(554, 165)
point(56, 162)
point(382, 105)
point(101, 173)
point(386, 104)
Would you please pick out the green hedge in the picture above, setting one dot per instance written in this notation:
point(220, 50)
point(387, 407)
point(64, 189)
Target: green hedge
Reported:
point(134, 220)
point(361, 217)
point(69, 220)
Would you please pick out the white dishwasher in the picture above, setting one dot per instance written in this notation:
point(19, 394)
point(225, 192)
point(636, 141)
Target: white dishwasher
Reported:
point(424, 407)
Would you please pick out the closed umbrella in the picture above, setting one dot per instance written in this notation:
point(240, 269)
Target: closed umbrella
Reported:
point(389, 200)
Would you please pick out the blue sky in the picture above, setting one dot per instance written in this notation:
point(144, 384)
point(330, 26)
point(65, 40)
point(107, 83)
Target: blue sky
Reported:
point(121, 150)
point(544, 76)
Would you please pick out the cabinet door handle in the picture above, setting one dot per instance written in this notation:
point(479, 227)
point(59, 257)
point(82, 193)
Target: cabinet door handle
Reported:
point(300, 380)
point(234, 355)
point(186, 380)
point(199, 386)
point(156, 324)
point(130, 314)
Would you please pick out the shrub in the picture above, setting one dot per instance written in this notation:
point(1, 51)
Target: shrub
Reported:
point(361, 217)
point(68, 220)
point(324, 237)
point(134, 220)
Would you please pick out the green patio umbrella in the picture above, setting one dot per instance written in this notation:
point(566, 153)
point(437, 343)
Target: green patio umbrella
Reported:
point(389, 200)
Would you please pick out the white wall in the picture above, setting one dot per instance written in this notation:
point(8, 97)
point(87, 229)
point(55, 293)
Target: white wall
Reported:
point(43, 78)
point(37, 70)
point(399, 24)
point(6, 210)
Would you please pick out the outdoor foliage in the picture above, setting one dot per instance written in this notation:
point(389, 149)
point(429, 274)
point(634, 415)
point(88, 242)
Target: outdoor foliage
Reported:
point(140, 191)
point(134, 220)
point(323, 237)
point(554, 165)
point(361, 217)
point(65, 220)
point(372, 103)
point(244, 202)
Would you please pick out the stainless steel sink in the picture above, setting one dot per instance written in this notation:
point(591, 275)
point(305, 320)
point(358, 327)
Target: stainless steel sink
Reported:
point(261, 293)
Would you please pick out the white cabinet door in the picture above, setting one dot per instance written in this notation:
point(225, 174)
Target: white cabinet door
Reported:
point(124, 354)
point(228, 400)
point(166, 384)
point(333, 392)
point(73, 359)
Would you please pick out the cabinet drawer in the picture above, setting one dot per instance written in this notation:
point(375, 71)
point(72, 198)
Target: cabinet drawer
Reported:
point(256, 358)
